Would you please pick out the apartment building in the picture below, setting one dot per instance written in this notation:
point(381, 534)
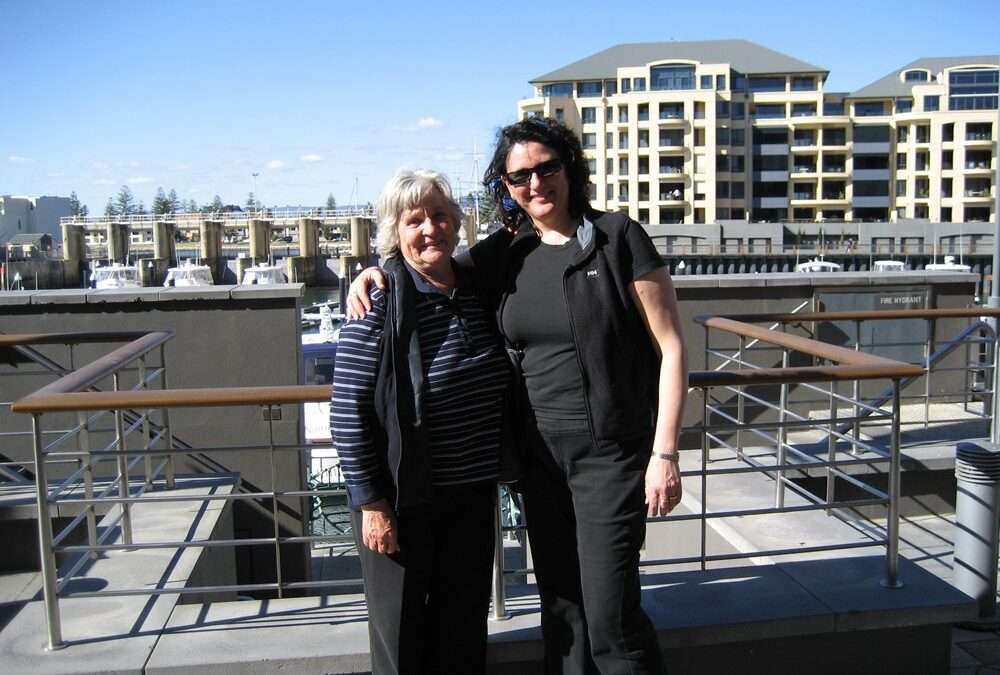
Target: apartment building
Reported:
point(700, 132)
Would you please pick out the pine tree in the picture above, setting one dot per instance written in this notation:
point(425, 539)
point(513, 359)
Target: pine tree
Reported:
point(217, 204)
point(251, 201)
point(109, 209)
point(125, 202)
point(331, 202)
point(75, 207)
point(160, 203)
point(173, 203)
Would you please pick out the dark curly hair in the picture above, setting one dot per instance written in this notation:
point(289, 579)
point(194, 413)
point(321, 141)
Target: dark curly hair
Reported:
point(557, 137)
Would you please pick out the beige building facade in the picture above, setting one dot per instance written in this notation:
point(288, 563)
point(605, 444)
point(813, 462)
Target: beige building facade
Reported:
point(701, 132)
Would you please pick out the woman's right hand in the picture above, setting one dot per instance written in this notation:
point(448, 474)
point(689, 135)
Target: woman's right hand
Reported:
point(379, 530)
point(359, 300)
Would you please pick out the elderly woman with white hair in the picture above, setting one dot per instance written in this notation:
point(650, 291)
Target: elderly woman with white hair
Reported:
point(416, 415)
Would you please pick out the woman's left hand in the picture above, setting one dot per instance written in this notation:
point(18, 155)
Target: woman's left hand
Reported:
point(663, 486)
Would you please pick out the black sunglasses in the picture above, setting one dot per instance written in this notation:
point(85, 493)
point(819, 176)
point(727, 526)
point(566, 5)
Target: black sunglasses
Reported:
point(522, 176)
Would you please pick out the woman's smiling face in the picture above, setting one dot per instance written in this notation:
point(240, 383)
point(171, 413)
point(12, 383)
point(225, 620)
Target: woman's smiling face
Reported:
point(542, 197)
point(427, 237)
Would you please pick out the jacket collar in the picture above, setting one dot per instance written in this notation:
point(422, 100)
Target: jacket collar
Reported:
point(584, 233)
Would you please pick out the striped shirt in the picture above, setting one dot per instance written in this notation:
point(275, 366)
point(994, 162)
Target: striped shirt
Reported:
point(465, 375)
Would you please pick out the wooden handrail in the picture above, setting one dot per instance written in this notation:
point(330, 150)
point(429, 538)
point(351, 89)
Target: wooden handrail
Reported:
point(19, 339)
point(868, 315)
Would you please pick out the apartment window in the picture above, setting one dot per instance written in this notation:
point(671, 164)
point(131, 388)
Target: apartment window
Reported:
point(671, 137)
point(922, 189)
point(973, 89)
point(706, 82)
point(722, 136)
point(720, 82)
point(722, 162)
point(626, 85)
point(699, 110)
point(904, 105)
point(623, 113)
point(643, 191)
point(948, 132)
point(644, 215)
point(804, 137)
point(947, 160)
point(623, 166)
point(923, 133)
point(902, 134)
point(623, 140)
point(643, 165)
point(900, 188)
point(665, 78)
point(609, 166)
point(762, 84)
point(643, 138)
point(558, 89)
point(737, 163)
point(639, 84)
point(736, 191)
point(867, 162)
point(803, 84)
point(946, 214)
point(769, 111)
point(623, 192)
point(803, 110)
point(591, 165)
point(670, 111)
point(609, 114)
point(699, 137)
point(588, 115)
point(722, 109)
point(915, 76)
point(979, 131)
point(923, 161)
point(589, 141)
point(834, 137)
point(610, 87)
point(560, 115)
point(947, 185)
point(737, 137)
point(737, 110)
point(833, 107)
point(869, 108)
point(591, 191)
point(932, 103)
point(585, 89)
point(722, 190)
point(609, 140)
point(609, 191)
point(643, 112)
point(901, 160)
point(739, 82)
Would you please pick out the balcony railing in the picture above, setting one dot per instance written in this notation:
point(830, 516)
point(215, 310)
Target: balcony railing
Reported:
point(761, 393)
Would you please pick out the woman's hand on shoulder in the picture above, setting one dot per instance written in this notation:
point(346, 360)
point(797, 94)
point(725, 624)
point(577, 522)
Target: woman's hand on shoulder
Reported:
point(359, 301)
point(379, 530)
point(663, 485)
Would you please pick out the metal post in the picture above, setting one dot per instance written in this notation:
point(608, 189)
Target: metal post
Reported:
point(83, 445)
point(45, 554)
point(856, 393)
point(740, 405)
point(892, 522)
point(167, 434)
point(704, 475)
point(928, 349)
point(274, 498)
point(123, 490)
point(995, 394)
point(147, 458)
point(779, 485)
point(499, 592)
point(831, 445)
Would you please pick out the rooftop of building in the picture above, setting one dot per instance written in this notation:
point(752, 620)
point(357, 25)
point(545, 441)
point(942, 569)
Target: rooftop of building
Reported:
point(892, 85)
point(746, 57)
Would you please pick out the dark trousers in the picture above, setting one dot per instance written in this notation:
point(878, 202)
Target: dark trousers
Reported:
point(428, 603)
point(586, 521)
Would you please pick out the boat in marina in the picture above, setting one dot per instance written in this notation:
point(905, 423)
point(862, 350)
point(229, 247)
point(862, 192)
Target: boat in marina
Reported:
point(263, 275)
point(189, 274)
point(814, 266)
point(115, 275)
point(949, 265)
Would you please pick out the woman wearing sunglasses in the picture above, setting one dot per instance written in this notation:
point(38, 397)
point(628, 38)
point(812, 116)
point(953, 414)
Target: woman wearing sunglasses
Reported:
point(585, 301)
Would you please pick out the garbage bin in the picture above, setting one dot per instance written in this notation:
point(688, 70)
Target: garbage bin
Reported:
point(977, 505)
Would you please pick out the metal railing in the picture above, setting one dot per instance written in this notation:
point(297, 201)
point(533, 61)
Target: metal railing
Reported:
point(734, 410)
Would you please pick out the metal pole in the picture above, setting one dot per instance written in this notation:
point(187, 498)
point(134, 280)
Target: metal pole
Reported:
point(499, 592)
point(147, 459)
point(123, 490)
point(928, 349)
point(274, 498)
point(740, 404)
point(831, 445)
point(167, 434)
point(892, 522)
point(779, 486)
point(995, 395)
point(48, 559)
point(856, 393)
point(83, 443)
point(704, 476)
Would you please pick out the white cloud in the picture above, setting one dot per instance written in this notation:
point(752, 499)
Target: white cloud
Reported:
point(133, 164)
point(276, 164)
point(312, 157)
point(55, 174)
point(135, 180)
point(18, 159)
point(104, 181)
point(181, 167)
point(429, 123)
point(98, 165)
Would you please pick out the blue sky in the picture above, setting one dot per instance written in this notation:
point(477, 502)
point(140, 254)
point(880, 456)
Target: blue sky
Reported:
point(319, 96)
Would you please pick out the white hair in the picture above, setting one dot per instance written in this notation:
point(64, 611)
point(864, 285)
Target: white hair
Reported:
point(406, 190)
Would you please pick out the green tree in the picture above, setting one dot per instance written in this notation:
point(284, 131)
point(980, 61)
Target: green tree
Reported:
point(125, 202)
point(191, 206)
point(160, 203)
point(173, 203)
point(251, 201)
point(109, 208)
point(217, 204)
point(141, 209)
point(75, 207)
point(331, 202)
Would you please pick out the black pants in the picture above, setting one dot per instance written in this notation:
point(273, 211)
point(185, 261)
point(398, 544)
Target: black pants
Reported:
point(586, 520)
point(428, 603)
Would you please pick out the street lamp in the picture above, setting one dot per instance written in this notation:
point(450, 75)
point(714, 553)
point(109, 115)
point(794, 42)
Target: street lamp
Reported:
point(256, 199)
